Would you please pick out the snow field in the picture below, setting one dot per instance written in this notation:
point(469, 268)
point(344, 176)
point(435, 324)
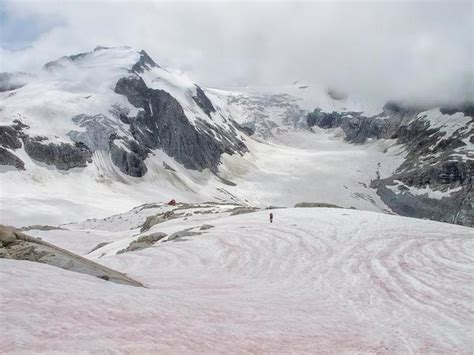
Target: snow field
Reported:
point(316, 280)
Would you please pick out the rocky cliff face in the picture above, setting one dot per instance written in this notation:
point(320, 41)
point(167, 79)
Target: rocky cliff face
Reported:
point(63, 156)
point(162, 123)
point(435, 180)
point(9, 141)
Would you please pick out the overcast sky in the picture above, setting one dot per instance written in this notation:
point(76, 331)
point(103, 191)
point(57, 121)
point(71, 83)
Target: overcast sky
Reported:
point(408, 49)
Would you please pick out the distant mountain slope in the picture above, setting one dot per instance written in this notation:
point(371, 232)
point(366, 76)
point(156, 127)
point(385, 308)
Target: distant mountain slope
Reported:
point(436, 179)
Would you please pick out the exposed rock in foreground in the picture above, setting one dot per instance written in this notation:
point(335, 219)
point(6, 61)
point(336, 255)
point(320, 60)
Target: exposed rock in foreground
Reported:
point(242, 210)
point(19, 246)
point(41, 227)
point(156, 219)
point(145, 241)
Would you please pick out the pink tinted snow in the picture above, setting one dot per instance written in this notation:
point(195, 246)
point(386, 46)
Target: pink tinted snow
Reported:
point(316, 280)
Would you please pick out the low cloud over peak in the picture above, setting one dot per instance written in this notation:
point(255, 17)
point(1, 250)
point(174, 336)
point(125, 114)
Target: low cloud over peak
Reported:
point(417, 51)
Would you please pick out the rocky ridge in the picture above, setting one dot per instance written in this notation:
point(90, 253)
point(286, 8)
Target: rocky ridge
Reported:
point(435, 180)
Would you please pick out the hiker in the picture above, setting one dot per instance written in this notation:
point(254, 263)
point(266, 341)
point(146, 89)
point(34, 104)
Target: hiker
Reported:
point(271, 217)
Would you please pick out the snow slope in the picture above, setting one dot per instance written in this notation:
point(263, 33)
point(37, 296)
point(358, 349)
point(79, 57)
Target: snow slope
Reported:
point(316, 280)
point(299, 166)
point(313, 167)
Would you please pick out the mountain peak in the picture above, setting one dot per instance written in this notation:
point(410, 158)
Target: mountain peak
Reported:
point(144, 63)
point(121, 56)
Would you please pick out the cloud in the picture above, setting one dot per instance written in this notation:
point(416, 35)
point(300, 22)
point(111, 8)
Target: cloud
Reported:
point(418, 50)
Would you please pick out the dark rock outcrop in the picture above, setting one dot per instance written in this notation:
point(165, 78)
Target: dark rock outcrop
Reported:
point(130, 160)
point(41, 227)
point(10, 159)
point(248, 128)
point(454, 208)
point(9, 137)
point(9, 141)
point(63, 156)
point(203, 101)
point(156, 219)
point(143, 242)
point(144, 63)
point(161, 123)
point(242, 210)
point(356, 127)
point(179, 236)
point(205, 227)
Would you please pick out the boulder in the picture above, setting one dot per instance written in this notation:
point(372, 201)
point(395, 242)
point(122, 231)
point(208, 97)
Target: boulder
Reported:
point(19, 246)
point(156, 219)
point(7, 235)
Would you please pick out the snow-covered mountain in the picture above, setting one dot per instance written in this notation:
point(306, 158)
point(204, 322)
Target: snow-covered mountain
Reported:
point(100, 132)
point(118, 101)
